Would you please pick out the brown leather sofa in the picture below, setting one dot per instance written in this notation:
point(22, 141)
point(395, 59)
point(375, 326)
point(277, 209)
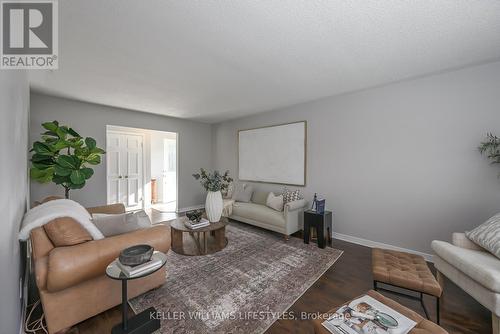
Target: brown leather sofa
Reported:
point(71, 280)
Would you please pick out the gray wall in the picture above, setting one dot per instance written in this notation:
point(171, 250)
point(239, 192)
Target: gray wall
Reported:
point(397, 164)
point(91, 120)
point(14, 106)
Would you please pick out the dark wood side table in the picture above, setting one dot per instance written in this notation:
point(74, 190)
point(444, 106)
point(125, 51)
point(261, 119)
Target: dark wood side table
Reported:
point(322, 223)
point(141, 323)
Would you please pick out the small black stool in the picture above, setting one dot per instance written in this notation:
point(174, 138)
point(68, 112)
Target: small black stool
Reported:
point(322, 222)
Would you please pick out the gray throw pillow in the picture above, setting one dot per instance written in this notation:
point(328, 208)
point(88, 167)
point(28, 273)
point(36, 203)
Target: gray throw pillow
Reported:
point(243, 193)
point(115, 224)
point(487, 235)
point(260, 197)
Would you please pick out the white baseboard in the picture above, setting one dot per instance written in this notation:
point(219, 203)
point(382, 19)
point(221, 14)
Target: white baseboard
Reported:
point(375, 244)
point(189, 208)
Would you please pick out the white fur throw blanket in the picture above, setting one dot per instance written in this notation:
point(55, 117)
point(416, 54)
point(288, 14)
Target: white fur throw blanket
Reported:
point(44, 213)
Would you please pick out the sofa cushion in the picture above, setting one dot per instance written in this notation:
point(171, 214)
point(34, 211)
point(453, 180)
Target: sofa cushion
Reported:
point(487, 235)
point(274, 202)
point(66, 231)
point(259, 213)
point(482, 267)
point(260, 197)
point(243, 193)
point(116, 224)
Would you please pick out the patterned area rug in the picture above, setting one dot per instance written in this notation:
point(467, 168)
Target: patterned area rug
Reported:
point(242, 289)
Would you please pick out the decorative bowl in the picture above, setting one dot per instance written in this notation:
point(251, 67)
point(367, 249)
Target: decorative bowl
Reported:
point(194, 215)
point(136, 255)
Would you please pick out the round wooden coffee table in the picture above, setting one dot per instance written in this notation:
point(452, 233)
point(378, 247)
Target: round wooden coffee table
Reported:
point(206, 240)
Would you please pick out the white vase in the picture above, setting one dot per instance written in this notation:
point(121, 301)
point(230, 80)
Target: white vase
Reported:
point(213, 206)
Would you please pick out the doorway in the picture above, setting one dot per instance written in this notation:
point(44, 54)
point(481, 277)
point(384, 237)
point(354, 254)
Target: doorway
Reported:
point(142, 168)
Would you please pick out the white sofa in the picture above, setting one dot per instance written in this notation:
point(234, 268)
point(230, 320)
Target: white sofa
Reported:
point(258, 214)
point(473, 269)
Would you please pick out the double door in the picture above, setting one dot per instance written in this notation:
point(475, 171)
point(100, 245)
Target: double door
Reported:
point(124, 156)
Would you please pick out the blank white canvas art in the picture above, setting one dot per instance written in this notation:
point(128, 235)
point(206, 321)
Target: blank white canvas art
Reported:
point(274, 154)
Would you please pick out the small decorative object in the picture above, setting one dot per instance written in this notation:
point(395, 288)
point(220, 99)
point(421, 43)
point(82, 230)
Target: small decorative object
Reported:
point(194, 215)
point(320, 206)
point(313, 206)
point(491, 147)
point(136, 255)
point(213, 183)
point(63, 156)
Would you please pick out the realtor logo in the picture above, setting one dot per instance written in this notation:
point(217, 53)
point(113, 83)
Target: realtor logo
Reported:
point(29, 34)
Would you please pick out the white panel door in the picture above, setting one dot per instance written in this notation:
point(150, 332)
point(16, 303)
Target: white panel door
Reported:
point(169, 170)
point(113, 158)
point(124, 169)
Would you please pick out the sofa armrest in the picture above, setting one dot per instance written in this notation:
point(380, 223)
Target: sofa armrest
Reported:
point(295, 205)
point(71, 265)
point(460, 240)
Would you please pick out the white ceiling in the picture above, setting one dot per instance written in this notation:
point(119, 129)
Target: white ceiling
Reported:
point(216, 60)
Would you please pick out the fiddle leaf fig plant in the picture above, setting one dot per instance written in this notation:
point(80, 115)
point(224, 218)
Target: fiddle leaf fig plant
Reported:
point(64, 157)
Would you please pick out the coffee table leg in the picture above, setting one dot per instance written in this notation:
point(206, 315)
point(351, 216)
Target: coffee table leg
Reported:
point(205, 243)
point(124, 305)
point(177, 243)
point(220, 238)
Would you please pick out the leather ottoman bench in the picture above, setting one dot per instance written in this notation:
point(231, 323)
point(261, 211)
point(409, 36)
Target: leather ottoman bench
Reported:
point(406, 271)
point(423, 326)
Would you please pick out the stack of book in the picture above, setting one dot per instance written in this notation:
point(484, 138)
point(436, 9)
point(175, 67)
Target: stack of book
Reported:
point(140, 269)
point(194, 225)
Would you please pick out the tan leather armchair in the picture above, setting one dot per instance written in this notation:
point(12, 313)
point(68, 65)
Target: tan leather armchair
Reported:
point(71, 280)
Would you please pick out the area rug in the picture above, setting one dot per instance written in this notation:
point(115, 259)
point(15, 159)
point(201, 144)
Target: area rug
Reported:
point(241, 289)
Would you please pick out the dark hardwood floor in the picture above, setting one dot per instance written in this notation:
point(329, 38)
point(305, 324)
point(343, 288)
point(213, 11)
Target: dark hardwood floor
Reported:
point(349, 277)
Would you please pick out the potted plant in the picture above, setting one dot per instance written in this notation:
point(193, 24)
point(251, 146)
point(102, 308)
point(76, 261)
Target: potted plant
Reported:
point(213, 184)
point(491, 147)
point(63, 157)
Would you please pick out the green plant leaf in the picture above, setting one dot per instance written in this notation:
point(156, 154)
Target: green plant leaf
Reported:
point(51, 126)
point(61, 171)
point(57, 179)
point(77, 177)
point(60, 144)
point(82, 152)
point(93, 159)
point(76, 186)
point(40, 157)
point(39, 165)
point(73, 133)
point(97, 150)
point(90, 142)
point(41, 175)
point(42, 148)
point(60, 133)
point(87, 172)
point(67, 161)
point(49, 134)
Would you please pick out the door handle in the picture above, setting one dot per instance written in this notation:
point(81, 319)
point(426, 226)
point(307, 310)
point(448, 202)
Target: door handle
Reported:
point(126, 176)
point(119, 176)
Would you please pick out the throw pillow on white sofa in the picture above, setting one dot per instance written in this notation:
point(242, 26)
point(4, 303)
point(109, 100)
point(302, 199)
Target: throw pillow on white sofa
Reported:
point(275, 202)
point(243, 193)
point(487, 235)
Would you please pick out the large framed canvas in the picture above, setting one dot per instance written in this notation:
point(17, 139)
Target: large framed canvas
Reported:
point(273, 154)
